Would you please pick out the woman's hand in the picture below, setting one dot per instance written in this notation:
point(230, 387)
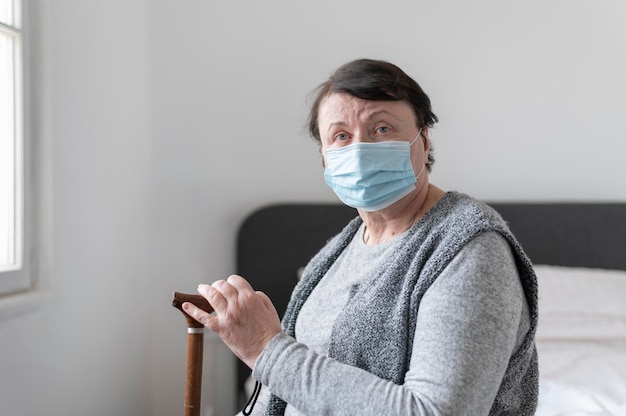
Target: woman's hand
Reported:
point(245, 319)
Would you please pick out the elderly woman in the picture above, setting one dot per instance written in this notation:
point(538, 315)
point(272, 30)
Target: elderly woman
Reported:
point(425, 304)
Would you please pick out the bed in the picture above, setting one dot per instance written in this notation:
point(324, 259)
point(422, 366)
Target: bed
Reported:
point(579, 253)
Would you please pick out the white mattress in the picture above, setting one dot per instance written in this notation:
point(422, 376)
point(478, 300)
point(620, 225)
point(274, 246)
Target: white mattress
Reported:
point(581, 341)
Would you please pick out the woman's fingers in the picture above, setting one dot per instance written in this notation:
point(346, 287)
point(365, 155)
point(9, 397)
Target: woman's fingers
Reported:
point(239, 283)
point(200, 315)
point(219, 295)
point(245, 319)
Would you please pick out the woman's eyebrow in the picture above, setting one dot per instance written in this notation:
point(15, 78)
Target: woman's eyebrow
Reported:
point(369, 116)
point(336, 123)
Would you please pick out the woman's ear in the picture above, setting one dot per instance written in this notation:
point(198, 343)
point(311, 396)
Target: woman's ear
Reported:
point(425, 133)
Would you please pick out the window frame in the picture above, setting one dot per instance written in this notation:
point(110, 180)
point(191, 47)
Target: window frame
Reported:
point(18, 280)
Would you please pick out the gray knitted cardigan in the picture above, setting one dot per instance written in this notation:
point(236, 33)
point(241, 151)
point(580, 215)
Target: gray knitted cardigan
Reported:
point(376, 329)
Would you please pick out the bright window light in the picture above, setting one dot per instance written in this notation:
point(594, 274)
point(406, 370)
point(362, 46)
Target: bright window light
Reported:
point(10, 139)
point(6, 12)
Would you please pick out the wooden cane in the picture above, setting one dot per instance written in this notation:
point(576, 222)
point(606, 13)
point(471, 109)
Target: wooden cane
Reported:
point(195, 345)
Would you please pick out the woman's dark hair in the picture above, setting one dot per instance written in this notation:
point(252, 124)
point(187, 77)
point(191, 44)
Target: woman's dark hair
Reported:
point(374, 80)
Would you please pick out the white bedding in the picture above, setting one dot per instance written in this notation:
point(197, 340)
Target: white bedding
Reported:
point(581, 341)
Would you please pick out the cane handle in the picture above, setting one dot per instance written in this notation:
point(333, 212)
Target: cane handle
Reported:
point(199, 301)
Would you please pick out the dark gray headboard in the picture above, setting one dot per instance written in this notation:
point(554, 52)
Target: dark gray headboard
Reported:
point(276, 240)
point(570, 234)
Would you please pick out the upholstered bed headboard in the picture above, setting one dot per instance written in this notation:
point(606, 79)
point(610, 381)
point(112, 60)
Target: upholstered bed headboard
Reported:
point(275, 241)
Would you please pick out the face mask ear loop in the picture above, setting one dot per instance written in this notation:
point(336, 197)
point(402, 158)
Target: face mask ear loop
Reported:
point(419, 173)
point(416, 137)
point(414, 140)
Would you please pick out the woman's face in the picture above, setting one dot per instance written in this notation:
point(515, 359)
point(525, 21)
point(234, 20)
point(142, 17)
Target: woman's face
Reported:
point(344, 120)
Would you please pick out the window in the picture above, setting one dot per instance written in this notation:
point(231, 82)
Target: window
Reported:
point(14, 274)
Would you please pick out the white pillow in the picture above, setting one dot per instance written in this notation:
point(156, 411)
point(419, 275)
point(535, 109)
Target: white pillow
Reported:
point(581, 303)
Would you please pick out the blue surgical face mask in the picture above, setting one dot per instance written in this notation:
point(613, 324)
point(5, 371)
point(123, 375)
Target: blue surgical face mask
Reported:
point(371, 176)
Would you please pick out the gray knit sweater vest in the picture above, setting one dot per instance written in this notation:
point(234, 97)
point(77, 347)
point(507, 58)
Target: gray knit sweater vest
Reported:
point(376, 329)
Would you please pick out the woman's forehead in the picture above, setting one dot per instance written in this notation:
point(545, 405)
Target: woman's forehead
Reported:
point(347, 108)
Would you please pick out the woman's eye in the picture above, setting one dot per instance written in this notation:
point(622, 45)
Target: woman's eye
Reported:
point(382, 129)
point(341, 137)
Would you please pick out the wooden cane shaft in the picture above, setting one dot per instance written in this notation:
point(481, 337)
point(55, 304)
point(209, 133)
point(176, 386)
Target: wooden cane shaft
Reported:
point(193, 383)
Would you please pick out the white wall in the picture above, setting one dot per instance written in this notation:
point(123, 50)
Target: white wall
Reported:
point(164, 123)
